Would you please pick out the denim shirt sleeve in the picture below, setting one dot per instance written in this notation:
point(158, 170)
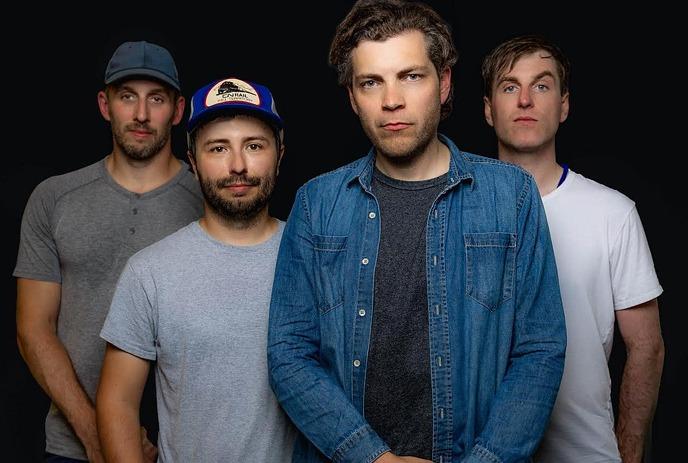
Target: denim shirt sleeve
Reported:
point(521, 408)
point(314, 401)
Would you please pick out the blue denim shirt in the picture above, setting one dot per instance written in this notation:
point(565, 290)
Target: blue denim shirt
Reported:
point(496, 322)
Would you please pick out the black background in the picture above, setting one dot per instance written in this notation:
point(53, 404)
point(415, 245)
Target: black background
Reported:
point(624, 128)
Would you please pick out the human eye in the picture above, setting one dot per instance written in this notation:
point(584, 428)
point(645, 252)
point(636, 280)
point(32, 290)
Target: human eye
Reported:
point(127, 96)
point(216, 149)
point(367, 83)
point(254, 146)
point(509, 88)
point(413, 76)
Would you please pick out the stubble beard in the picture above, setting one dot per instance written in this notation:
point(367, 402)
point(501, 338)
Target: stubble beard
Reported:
point(138, 152)
point(404, 149)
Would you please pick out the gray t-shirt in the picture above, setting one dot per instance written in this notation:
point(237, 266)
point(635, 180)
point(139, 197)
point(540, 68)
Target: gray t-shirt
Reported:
point(78, 230)
point(199, 308)
point(398, 391)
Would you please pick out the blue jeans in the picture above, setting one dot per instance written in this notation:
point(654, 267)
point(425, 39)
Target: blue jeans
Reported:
point(50, 458)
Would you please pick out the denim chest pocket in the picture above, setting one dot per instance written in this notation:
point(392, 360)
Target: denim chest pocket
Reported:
point(330, 256)
point(490, 267)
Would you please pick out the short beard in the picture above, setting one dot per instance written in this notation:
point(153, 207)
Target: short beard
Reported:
point(238, 210)
point(141, 153)
point(420, 143)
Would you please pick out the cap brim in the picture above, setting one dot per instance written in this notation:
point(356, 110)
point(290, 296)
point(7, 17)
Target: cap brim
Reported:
point(143, 72)
point(250, 110)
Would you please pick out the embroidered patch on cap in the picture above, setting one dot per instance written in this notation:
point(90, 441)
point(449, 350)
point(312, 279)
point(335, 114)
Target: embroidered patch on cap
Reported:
point(232, 91)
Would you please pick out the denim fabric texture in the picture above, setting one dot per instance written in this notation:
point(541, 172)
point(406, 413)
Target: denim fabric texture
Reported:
point(497, 335)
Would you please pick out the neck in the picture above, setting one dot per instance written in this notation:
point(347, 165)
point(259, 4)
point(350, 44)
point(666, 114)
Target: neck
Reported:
point(542, 165)
point(141, 176)
point(431, 163)
point(239, 232)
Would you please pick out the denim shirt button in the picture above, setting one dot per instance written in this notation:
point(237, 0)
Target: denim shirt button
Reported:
point(361, 312)
point(365, 261)
point(357, 363)
point(371, 215)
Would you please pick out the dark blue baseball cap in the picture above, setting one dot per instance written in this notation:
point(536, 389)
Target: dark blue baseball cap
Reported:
point(142, 59)
point(233, 95)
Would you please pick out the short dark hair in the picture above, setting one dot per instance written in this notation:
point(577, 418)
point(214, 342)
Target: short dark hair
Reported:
point(505, 55)
point(379, 20)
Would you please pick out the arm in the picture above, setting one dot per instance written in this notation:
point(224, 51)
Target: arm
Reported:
point(38, 305)
point(312, 398)
point(524, 399)
point(122, 381)
point(640, 329)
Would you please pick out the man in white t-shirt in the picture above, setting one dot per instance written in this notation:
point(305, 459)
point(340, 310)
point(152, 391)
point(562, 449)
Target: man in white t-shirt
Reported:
point(603, 260)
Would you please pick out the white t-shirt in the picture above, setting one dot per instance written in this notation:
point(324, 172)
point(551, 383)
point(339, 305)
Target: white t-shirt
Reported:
point(604, 264)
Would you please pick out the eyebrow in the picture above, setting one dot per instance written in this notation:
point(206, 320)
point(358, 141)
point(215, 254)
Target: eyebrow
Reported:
point(154, 90)
point(244, 139)
point(535, 79)
point(407, 70)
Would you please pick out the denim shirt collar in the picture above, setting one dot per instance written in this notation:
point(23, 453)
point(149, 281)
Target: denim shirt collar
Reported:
point(459, 168)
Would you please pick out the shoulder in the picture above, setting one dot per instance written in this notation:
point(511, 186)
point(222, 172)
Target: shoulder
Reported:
point(171, 248)
point(507, 182)
point(603, 196)
point(334, 178)
point(500, 171)
point(334, 185)
point(55, 187)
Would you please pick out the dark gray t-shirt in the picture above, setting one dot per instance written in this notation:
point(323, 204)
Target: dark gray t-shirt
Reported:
point(78, 230)
point(398, 394)
point(199, 309)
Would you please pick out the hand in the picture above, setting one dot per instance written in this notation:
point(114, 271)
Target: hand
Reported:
point(93, 453)
point(92, 445)
point(150, 451)
point(389, 457)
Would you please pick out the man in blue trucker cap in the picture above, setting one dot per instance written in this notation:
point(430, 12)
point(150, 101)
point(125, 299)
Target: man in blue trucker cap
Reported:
point(79, 229)
point(196, 303)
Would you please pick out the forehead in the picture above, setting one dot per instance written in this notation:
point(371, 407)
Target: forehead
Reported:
point(529, 65)
point(399, 51)
point(235, 125)
point(142, 86)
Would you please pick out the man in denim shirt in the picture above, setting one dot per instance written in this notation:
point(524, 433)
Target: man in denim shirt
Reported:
point(415, 311)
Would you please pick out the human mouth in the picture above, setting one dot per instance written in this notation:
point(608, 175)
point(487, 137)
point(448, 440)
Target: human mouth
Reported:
point(395, 126)
point(525, 119)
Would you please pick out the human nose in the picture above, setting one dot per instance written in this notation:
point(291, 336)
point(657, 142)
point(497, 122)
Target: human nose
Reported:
point(392, 97)
point(237, 163)
point(141, 111)
point(525, 99)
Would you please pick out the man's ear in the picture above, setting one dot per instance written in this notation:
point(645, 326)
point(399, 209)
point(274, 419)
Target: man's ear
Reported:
point(487, 107)
point(192, 162)
point(104, 105)
point(280, 155)
point(564, 108)
point(179, 106)
point(352, 100)
point(445, 84)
